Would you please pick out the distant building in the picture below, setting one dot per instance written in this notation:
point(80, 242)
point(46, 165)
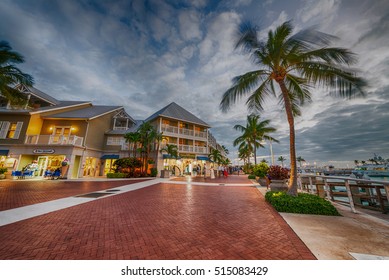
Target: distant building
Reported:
point(47, 131)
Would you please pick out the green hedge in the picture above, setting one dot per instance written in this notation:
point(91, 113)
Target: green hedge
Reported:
point(303, 204)
point(251, 177)
point(116, 175)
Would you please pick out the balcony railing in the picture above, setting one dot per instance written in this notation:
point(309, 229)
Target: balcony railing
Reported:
point(189, 148)
point(54, 140)
point(183, 131)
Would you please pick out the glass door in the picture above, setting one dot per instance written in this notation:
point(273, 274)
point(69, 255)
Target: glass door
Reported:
point(42, 165)
point(61, 135)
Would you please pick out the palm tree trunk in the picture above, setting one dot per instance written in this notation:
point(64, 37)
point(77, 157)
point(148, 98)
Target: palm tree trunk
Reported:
point(292, 188)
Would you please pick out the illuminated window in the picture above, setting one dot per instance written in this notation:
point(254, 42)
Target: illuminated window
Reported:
point(10, 130)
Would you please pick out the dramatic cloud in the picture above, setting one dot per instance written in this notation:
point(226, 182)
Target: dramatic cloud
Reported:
point(145, 54)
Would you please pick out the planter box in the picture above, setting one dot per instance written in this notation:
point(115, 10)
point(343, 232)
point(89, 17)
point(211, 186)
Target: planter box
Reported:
point(278, 185)
point(165, 173)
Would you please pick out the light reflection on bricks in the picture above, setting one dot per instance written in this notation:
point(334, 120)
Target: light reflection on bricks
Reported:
point(163, 221)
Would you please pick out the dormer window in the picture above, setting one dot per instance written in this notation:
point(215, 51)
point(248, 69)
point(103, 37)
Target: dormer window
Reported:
point(122, 121)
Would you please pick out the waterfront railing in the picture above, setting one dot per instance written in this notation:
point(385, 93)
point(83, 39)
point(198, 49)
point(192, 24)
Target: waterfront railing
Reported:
point(371, 194)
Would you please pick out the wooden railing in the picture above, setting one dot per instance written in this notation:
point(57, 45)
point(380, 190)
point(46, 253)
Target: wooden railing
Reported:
point(372, 194)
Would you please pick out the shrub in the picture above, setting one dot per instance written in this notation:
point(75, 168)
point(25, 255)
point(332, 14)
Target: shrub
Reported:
point(251, 176)
point(3, 170)
point(302, 204)
point(261, 170)
point(116, 175)
point(153, 172)
point(277, 172)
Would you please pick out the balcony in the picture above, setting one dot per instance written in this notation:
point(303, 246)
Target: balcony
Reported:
point(189, 149)
point(173, 130)
point(54, 140)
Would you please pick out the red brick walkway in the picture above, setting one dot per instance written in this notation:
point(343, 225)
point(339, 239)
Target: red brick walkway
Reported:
point(164, 221)
point(15, 194)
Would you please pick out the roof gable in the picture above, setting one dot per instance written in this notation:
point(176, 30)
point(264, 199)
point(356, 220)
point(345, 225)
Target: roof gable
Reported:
point(38, 94)
point(174, 111)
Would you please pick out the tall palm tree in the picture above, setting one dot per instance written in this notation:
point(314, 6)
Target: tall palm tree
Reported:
point(171, 150)
point(300, 160)
point(133, 139)
point(296, 63)
point(254, 133)
point(215, 156)
point(282, 159)
point(244, 153)
point(10, 75)
point(148, 134)
point(225, 149)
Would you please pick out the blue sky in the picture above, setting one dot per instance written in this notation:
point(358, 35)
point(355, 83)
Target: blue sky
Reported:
point(145, 54)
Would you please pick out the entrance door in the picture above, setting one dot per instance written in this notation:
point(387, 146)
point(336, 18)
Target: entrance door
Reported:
point(60, 135)
point(42, 165)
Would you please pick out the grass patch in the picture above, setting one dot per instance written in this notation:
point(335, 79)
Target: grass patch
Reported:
point(302, 204)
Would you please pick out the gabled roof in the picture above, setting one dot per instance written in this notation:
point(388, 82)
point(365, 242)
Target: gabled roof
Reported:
point(174, 111)
point(133, 128)
point(87, 113)
point(37, 93)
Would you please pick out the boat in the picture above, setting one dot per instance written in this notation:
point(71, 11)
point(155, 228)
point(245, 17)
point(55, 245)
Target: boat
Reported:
point(372, 170)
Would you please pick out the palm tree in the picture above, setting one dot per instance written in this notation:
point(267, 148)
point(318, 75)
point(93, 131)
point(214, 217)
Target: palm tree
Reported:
point(299, 160)
point(254, 133)
point(282, 159)
point(133, 139)
point(244, 153)
point(10, 75)
point(148, 135)
point(215, 156)
point(225, 149)
point(296, 63)
point(171, 150)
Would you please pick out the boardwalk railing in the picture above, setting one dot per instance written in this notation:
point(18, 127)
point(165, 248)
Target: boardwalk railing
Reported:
point(372, 194)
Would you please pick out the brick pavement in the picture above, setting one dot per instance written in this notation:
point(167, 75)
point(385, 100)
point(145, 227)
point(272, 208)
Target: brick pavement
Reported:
point(18, 193)
point(163, 221)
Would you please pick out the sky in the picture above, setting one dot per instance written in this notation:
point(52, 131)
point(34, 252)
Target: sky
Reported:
point(143, 55)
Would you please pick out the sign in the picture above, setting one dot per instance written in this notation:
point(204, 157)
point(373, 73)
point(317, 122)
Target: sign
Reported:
point(43, 151)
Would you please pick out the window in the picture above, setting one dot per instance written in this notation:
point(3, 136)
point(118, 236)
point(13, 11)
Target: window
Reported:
point(114, 141)
point(10, 130)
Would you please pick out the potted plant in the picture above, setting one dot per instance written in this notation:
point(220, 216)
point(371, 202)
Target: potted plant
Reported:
point(278, 176)
point(260, 170)
point(64, 168)
point(3, 170)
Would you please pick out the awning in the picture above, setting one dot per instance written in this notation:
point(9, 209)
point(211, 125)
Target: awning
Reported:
point(4, 152)
point(110, 157)
point(202, 158)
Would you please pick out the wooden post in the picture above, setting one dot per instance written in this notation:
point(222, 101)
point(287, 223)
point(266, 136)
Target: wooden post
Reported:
point(350, 196)
point(327, 189)
point(310, 184)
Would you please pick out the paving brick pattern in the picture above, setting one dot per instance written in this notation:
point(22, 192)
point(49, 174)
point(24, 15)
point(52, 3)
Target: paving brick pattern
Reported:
point(163, 221)
point(15, 194)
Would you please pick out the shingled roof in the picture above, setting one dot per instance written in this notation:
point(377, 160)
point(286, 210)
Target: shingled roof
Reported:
point(175, 111)
point(87, 113)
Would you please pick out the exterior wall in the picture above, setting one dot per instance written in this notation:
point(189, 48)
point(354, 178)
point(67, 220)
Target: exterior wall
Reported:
point(97, 127)
point(78, 126)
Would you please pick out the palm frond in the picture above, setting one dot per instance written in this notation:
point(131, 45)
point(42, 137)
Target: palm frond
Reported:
point(241, 85)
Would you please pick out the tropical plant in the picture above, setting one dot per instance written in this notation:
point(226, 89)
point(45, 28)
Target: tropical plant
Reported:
point(171, 150)
point(261, 169)
point(300, 160)
point(10, 75)
point(277, 172)
point(148, 137)
point(296, 63)
point(281, 159)
point(225, 149)
point(215, 156)
point(133, 139)
point(254, 133)
point(127, 165)
point(3, 170)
